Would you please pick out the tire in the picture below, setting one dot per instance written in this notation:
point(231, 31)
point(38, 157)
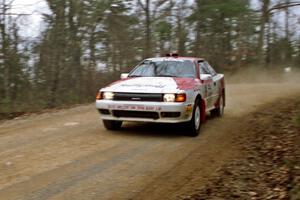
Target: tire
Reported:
point(195, 124)
point(219, 112)
point(112, 125)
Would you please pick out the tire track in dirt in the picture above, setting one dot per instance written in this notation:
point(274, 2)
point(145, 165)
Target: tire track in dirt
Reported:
point(141, 161)
point(12, 137)
point(77, 170)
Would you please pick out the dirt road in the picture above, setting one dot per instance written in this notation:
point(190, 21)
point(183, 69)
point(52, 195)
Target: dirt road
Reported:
point(69, 155)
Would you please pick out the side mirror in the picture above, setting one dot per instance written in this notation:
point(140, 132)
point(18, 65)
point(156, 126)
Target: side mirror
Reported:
point(205, 77)
point(124, 75)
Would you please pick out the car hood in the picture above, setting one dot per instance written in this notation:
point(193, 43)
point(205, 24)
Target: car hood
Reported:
point(150, 85)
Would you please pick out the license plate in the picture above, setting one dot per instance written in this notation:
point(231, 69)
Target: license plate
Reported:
point(134, 107)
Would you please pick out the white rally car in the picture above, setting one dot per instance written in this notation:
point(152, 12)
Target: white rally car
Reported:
point(169, 89)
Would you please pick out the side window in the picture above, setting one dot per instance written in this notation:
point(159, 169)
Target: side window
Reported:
point(203, 68)
point(211, 70)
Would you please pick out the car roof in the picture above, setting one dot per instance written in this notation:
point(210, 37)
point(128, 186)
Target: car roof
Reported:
point(176, 58)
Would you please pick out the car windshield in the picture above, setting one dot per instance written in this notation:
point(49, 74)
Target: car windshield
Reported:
point(165, 68)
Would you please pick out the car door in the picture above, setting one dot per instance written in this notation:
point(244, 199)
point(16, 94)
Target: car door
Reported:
point(216, 83)
point(207, 81)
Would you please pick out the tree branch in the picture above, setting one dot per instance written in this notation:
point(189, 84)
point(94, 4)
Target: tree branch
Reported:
point(283, 6)
point(141, 4)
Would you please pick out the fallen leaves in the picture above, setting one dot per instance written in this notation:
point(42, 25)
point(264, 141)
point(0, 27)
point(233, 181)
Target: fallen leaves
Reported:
point(269, 167)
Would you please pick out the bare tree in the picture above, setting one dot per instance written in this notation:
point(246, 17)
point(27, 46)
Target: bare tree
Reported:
point(264, 19)
point(150, 10)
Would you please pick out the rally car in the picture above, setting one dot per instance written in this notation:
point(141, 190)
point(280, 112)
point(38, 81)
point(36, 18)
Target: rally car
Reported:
point(168, 89)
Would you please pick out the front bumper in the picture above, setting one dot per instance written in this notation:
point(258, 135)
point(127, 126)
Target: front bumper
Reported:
point(140, 111)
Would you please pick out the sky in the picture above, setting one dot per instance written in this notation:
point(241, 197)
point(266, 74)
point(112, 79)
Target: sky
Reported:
point(32, 25)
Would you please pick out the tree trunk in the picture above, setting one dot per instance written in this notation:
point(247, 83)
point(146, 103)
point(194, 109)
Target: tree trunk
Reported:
point(198, 39)
point(288, 50)
point(148, 46)
point(5, 45)
point(264, 19)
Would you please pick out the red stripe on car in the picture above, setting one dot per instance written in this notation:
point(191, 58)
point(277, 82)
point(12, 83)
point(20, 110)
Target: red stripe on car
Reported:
point(185, 83)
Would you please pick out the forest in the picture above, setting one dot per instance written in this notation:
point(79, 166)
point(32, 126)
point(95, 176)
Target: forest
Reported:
point(87, 43)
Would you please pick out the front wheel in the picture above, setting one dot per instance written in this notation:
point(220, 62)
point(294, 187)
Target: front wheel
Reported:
point(195, 123)
point(112, 125)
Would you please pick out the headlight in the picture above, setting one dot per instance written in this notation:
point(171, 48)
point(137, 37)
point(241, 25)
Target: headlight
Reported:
point(174, 97)
point(169, 98)
point(108, 95)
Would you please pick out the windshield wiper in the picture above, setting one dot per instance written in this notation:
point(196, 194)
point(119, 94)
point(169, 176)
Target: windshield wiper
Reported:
point(135, 76)
point(165, 75)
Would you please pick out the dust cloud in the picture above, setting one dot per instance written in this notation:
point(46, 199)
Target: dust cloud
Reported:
point(260, 75)
point(249, 88)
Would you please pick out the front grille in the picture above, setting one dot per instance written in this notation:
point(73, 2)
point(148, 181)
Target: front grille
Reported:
point(138, 97)
point(104, 111)
point(135, 114)
point(170, 114)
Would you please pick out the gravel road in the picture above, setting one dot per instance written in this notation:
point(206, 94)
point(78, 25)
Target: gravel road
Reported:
point(68, 154)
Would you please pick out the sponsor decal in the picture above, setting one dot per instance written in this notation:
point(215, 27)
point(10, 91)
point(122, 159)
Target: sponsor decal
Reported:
point(145, 85)
point(119, 81)
point(136, 98)
point(188, 110)
point(139, 85)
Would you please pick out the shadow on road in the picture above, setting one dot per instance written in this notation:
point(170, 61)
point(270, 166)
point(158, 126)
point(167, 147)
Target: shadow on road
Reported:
point(163, 130)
